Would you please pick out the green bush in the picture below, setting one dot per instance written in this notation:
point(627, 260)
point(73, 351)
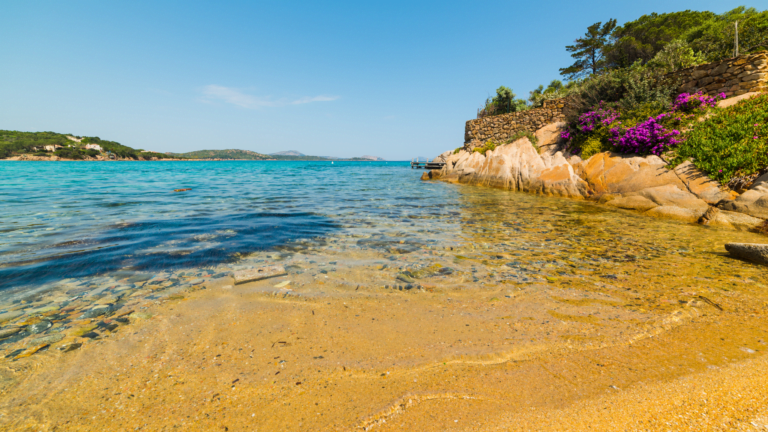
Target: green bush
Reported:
point(731, 143)
point(632, 89)
point(523, 133)
point(489, 145)
point(69, 153)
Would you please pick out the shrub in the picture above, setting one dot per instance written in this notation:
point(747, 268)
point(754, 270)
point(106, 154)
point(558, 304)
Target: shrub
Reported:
point(489, 145)
point(648, 137)
point(731, 143)
point(590, 133)
point(458, 149)
point(520, 134)
point(68, 153)
point(628, 90)
point(643, 130)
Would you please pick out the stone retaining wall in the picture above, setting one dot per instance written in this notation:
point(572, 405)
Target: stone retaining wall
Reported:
point(734, 76)
point(499, 128)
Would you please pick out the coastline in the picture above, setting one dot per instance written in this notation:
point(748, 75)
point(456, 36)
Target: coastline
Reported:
point(643, 184)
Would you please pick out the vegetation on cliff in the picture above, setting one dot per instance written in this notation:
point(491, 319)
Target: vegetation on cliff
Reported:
point(625, 64)
point(14, 143)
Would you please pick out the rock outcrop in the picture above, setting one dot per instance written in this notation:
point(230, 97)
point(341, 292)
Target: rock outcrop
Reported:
point(757, 253)
point(644, 184)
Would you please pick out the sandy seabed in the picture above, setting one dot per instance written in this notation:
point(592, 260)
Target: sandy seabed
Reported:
point(326, 355)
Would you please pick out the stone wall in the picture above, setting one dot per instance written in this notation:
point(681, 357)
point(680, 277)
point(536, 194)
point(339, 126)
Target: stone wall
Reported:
point(734, 76)
point(499, 128)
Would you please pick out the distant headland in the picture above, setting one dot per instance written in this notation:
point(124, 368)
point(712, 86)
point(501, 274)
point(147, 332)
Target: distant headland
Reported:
point(52, 146)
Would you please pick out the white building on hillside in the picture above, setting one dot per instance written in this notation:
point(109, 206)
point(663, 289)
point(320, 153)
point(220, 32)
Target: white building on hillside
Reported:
point(93, 147)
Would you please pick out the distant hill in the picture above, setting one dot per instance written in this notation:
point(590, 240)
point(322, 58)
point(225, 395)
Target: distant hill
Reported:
point(44, 145)
point(288, 153)
point(224, 154)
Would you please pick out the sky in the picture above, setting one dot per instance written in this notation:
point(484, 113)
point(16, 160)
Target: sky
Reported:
point(394, 79)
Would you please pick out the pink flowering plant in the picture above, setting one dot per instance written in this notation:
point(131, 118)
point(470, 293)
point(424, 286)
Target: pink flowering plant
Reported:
point(605, 129)
point(688, 103)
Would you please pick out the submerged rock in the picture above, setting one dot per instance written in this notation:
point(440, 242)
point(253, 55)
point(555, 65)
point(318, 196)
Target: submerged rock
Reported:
point(757, 253)
point(39, 327)
point(46, 339)
point(9, 316)
point(8, 332)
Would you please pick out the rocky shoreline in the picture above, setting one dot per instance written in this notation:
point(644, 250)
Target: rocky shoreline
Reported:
point(644, 184)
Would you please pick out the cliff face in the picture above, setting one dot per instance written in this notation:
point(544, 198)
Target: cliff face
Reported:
point(644, 184)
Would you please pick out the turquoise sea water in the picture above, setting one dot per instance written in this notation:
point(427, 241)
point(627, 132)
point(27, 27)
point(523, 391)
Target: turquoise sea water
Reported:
point(86, 244)
point(63, 220)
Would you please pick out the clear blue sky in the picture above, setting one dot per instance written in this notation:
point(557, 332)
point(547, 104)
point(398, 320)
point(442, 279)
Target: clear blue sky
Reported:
point(395, 79)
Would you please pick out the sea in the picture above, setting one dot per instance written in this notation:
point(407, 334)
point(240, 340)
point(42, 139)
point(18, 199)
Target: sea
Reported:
point(87, 240)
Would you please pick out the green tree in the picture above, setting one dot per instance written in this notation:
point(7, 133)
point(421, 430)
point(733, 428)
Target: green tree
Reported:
point(715, 37)
point(504, 101)
point(589, 51)
point(554, 90)
point(644, 37)
point(676, 55)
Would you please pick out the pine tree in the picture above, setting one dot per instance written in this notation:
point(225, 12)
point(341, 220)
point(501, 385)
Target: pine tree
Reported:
point(588, 51)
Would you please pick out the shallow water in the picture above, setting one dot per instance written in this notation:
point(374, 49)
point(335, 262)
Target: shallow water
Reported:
point(489, 276)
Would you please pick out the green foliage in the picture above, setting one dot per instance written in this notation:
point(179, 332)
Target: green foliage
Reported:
point(676, 55)
point(643, 38)
point(523, 134)
point(593, 145)
point(16, 143)
point(69, 153)
point(458, 149)
point(640, 89)
point(714, 38)
point(489, 145)
point(731, 143)
point(503, 103)
point(589, 51)
point(670, 41)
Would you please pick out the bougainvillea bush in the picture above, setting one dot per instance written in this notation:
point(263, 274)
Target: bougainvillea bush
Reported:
point(605, 129)
point(731, 143)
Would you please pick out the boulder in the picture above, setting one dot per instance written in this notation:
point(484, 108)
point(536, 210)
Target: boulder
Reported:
point(729, 219)
point(757, 253)
point(614, 173)
point(518, 166)
point(645, 184)
point(674, 212)
point(702, 186)
point(548, 138)
point(753, 202)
